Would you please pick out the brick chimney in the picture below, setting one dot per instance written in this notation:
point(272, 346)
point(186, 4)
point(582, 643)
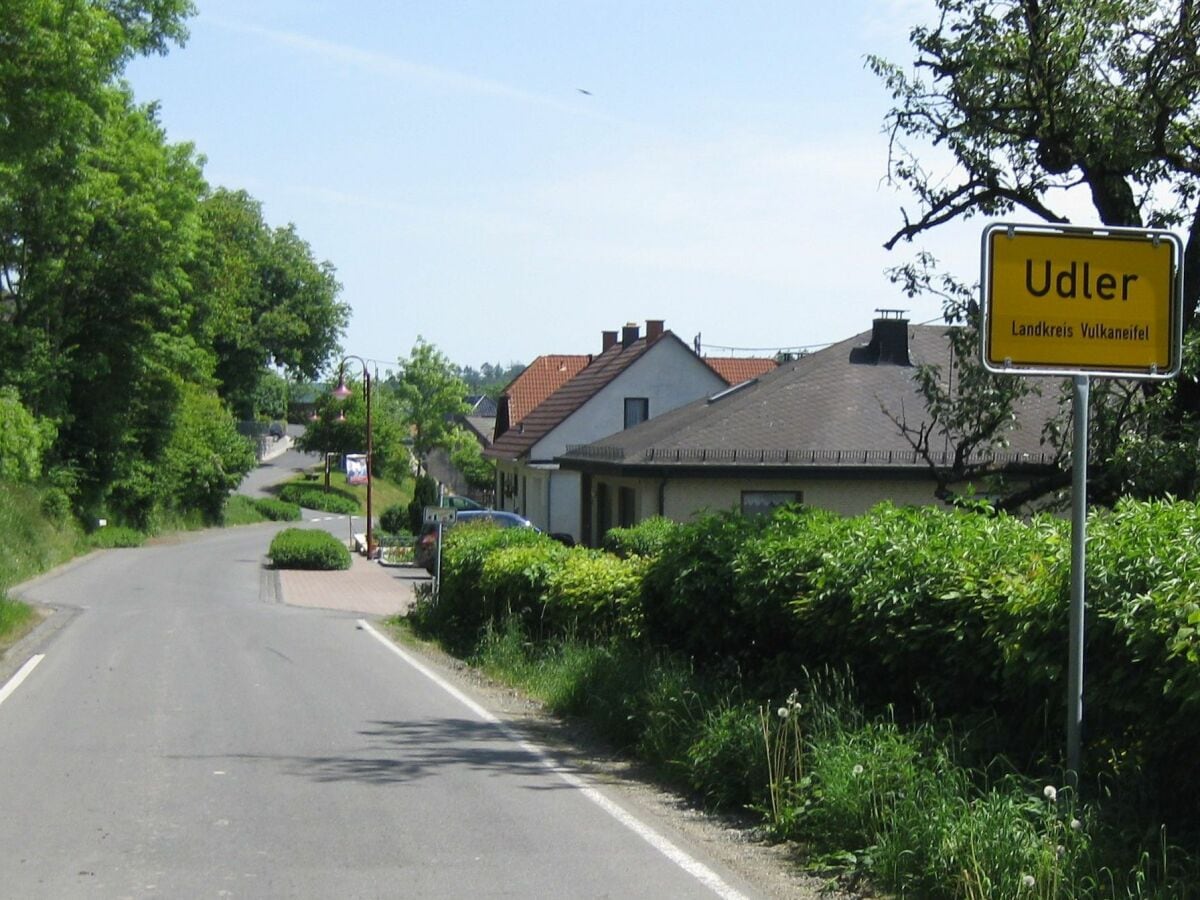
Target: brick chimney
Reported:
point(629, 334)
point(654, 330)
point(607, 340)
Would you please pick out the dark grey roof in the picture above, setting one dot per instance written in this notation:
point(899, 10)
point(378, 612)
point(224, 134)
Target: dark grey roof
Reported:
point(825, 409)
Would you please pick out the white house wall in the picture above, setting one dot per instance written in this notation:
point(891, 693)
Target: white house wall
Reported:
point(668, 375)
point(564, 503)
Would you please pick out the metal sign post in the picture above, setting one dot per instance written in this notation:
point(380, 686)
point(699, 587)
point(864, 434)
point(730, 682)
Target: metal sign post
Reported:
point(1079, 458)
point(440, 516)
point(1084, 302)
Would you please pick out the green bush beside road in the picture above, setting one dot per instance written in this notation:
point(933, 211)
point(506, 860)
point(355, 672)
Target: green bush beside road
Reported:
point(311, 496)
point(277, 510)
point(300, 548)
point(949, 630)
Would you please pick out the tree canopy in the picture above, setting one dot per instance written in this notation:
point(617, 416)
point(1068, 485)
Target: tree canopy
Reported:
point(1041, 105)
point(430, 394)
point(116, 319)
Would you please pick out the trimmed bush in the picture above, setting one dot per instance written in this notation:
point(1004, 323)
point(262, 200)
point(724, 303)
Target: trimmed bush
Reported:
point(594, 595)
point(463, 610)
point(313, 497)
point(304, 548)
point(278, 510)
point(647, 538)
point(688, 592)
point(513, 580)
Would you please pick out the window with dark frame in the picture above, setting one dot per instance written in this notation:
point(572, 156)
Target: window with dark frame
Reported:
point(763, 503)
point(637, 410)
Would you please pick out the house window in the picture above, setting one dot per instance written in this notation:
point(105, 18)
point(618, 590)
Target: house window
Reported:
point(626, 506)
point(637, 409)
point(763, 503)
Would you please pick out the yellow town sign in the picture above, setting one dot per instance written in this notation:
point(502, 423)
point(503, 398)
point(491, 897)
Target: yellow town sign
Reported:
point(1061, 300)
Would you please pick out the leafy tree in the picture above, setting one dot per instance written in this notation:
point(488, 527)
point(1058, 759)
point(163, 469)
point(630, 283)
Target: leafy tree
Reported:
point(467, 457)
point(204, 459)
point(340, 427)
point(271, 396)
point(122, 277)
point(22, 439)
point(490, 378)
point(262, 298)
point(1034, 101)
point(430, 394)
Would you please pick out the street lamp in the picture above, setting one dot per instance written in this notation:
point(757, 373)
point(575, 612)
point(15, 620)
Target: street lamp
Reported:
point(342, 392)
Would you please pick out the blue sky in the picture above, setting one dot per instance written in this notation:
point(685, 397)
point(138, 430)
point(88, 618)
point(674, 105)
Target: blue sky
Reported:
point(724, 172)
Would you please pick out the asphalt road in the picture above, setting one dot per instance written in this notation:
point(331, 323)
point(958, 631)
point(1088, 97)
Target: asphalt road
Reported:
point(186, 735)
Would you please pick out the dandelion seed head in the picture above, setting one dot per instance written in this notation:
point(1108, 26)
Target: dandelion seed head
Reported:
point(1028, 881)
point(1076, 825)
point(1050, 792)
point(858, 769)
point(783, 712)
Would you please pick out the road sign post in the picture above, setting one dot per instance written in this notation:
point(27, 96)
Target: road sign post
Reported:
point(439, 516)
point(1084, 302)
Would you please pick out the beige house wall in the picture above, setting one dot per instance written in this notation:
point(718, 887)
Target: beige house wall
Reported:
point(683, 499)
point(849, 497)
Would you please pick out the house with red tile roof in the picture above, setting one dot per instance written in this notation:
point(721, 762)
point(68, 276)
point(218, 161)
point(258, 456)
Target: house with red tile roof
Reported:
point(736, 369)
point(539, 380)
point(820, 430)
point(635, 377)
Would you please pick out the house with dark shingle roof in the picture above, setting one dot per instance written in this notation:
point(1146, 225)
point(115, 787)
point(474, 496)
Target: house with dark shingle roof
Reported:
point(634, 378)
point(819, 430)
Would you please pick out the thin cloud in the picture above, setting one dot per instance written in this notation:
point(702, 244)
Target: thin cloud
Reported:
point(413, 72)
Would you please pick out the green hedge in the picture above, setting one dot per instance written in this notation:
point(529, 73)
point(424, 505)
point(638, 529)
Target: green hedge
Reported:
point(300, 548)
point(278, 510)
point(463, 610)
point(928, 609)
point(312, 496)
point(646, 539)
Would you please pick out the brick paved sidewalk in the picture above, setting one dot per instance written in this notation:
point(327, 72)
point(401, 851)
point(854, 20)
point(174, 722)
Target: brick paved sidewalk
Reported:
point(366, 587)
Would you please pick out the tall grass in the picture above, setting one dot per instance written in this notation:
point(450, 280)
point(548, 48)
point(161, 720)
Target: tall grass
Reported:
point(30, 540)
point(867, 796)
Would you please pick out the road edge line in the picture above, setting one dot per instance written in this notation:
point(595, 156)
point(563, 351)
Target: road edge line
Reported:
point(659, 842)
point(21, 674)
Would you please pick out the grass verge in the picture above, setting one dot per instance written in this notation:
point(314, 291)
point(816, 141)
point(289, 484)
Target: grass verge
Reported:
point(865, 799)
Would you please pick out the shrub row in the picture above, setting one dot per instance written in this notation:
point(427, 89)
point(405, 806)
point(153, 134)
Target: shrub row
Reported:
point(278, 510)
point(960, 612)
point(314, 497)
point(302, 548)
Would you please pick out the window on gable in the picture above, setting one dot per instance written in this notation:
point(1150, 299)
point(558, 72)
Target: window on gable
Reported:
point(637, 409)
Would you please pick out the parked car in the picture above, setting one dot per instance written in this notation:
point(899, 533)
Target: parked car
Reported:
point(460, 502)
point(425, 548)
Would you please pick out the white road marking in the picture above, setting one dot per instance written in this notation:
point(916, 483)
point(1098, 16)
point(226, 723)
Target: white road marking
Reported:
point(22, 674)
point(689, 864)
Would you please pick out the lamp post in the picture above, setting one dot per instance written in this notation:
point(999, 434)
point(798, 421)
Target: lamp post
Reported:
point(342, 392)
